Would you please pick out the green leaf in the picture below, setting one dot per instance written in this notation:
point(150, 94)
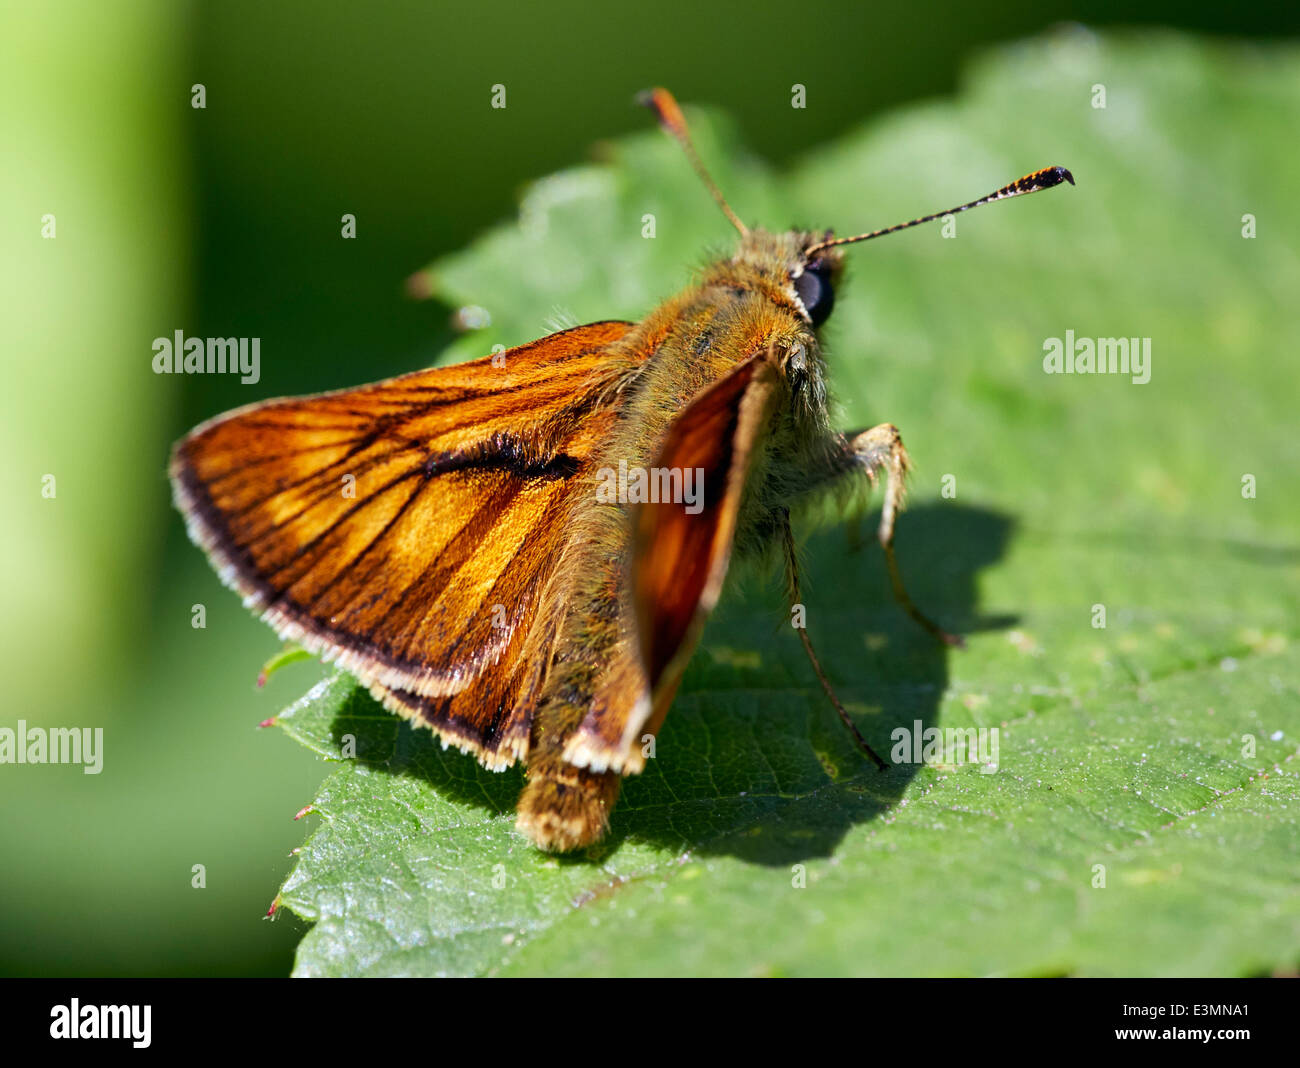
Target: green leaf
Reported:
point(1156, 754)
point(290, 653)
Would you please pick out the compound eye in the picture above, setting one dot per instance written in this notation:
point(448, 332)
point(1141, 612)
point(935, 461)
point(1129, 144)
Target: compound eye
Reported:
point(814, 289)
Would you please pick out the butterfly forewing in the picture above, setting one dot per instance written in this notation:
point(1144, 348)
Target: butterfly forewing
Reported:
point(405, 529)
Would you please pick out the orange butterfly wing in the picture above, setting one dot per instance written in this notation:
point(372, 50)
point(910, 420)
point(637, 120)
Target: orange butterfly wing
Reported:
point(679, 562)
point(406, 529)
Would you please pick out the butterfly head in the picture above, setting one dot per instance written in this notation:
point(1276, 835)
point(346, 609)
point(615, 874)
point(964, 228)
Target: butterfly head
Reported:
point(814, 277)
point(779, 265)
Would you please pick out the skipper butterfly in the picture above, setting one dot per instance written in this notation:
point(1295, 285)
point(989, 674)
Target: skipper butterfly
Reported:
point(531, 545)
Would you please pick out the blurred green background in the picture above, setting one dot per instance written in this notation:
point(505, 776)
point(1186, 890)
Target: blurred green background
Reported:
point(225, 221)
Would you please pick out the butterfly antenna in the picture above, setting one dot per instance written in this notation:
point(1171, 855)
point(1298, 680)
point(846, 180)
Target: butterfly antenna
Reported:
point(1030, 183)
point(670, 117)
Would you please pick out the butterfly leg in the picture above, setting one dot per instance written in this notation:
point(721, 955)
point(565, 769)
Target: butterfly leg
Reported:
point(792, 583)
point(872, 450)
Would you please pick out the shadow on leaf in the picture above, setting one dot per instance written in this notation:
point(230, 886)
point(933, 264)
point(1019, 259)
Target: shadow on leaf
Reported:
point(753, 761)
